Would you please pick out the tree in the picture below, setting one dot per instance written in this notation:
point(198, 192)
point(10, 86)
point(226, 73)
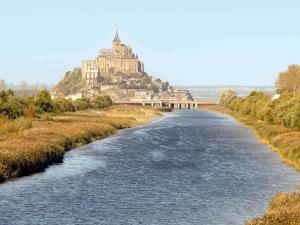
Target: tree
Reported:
point(10, 92)
point(2, 85)
point(289, 80)
point(226, 97)
point(23, 87)
point(44, 101)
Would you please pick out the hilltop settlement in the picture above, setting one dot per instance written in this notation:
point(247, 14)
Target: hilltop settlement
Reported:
point(119, 73)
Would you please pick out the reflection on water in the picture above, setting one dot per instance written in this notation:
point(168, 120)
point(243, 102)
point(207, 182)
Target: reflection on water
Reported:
point(191, 167)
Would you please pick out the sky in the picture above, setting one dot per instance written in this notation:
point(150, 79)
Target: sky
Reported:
point(190, 42)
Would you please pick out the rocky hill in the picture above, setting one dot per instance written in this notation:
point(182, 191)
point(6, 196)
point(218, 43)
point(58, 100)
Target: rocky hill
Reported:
point(70, 84)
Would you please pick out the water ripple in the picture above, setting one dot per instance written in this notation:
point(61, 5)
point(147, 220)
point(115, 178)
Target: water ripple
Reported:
point(190, 167)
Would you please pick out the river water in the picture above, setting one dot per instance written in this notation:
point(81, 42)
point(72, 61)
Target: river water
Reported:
point(189, 167)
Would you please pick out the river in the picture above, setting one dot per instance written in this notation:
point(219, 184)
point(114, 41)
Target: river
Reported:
point(189, 167)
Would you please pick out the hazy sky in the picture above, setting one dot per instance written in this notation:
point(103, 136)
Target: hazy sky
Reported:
point(211, 42)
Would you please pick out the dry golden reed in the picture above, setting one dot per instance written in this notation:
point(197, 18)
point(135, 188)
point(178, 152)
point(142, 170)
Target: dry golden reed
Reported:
point(30, 145)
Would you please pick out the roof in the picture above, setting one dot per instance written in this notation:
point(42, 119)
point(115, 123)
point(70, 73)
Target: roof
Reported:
point(116, 39)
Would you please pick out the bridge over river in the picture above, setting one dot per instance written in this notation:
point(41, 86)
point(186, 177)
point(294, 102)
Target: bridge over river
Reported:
point(174, 104)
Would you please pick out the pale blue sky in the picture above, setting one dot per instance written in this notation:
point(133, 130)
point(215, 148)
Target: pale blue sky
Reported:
point(213, 42)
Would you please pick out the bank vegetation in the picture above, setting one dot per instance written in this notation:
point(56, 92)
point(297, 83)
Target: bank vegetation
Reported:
point(276, 121)
point(36, 131)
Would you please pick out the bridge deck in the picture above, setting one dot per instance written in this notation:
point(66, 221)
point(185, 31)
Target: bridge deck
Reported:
point(171, 104)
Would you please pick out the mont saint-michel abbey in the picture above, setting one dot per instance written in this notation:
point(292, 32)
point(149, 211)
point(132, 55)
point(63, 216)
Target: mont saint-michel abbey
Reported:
point(119, 59)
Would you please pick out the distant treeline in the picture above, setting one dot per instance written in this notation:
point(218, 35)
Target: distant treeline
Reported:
point(12, 106)
point(282, 111)
point(285, 110)
point(23, 88)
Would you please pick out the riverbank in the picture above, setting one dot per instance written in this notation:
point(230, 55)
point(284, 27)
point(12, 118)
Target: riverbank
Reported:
point(284, 208)
point(30, 145)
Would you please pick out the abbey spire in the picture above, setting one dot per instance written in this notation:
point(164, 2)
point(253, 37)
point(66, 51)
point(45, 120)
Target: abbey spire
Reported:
point(116, 39)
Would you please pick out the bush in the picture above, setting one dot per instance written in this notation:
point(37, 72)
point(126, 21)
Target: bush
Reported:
point(63, 105)
point(82, 103)
point(3, 96)
point(12, 108)
point(166, 109)
point(44, 101)
point(101, 102)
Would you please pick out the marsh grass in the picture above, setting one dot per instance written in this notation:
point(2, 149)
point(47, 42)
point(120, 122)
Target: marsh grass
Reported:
point(284, 209)
point(15, 125)
point(28, 146)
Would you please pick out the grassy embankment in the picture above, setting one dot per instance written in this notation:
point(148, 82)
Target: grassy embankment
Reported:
point(30, 145)
point(284, 208)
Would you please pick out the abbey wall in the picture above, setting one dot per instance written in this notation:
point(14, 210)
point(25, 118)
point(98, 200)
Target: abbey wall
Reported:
point(119, 59)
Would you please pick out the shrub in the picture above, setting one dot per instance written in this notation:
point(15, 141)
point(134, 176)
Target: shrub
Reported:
point(166, 109)
point(101, 102)
point(82, 103)
point(44, 101)
point(10, 92)
point(227, 97)
point(12, 108)
point(63, 105)
point(3, 96)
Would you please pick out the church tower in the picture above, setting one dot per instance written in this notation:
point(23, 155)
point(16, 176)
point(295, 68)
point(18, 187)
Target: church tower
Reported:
point(116, 42)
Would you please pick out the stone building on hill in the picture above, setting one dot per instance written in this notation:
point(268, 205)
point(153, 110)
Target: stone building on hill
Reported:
point(119, 59)
point(117, 72)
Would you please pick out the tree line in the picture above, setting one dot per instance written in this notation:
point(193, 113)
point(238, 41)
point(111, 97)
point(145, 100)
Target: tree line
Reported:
point(23, 88)
point(12, 106)
point(284, 110)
